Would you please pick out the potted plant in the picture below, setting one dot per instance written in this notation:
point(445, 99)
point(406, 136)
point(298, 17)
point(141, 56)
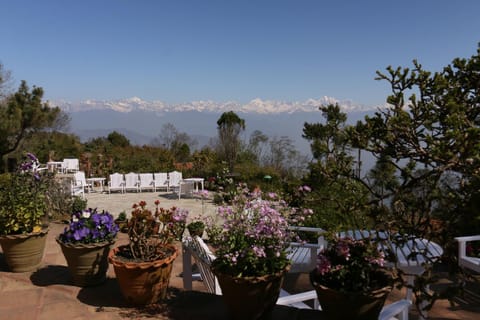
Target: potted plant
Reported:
point(251, 252)
point(86, 243)
point(122, 222)
point(351, 273)
point(23, 215)
point(196, 228)
point(143, 266)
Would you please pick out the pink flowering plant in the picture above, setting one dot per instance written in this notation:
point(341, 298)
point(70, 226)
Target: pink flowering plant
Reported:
point(90, 226)
point(255, 237)
point(349, 265)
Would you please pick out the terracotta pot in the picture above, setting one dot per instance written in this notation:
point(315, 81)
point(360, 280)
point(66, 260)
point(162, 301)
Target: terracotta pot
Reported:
point(143, 283)
point(354, 305)
point(250, 297)
point(87, 263)
point(24, 252)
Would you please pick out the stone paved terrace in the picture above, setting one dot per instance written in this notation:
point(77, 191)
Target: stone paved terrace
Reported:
point(48, 293)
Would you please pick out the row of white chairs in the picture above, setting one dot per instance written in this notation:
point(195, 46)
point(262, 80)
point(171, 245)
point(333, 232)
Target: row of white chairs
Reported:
point(139, 182)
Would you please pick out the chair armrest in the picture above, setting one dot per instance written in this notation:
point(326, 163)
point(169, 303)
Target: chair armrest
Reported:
point(296, 300)
point(391, 311)
point(468, 238)
point(462, 244)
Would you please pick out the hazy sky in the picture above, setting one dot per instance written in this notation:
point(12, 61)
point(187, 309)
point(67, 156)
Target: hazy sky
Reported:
point(180, 51)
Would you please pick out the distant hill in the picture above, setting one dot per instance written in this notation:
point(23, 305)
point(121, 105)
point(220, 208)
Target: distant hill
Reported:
point(141, 126)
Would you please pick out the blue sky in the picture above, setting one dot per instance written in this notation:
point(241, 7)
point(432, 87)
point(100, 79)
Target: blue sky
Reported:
point(181, 51)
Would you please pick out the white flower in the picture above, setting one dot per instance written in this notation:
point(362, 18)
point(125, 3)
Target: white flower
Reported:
point(74, 218)
point(86, 214)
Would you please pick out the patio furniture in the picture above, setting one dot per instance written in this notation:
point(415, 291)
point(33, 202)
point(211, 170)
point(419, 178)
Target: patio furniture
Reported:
point(196, 182)
point(70, 165)
point(160, 181)
point(79, 181)
point(174, 179)
point(304, 255)
point(132, 182)
point(146, 182)
point(412, 253)
point(195, 247)
point(93, 181)
point(469, 262)
point(55, 166)
point(185, 188)
point(77, 190)
point(116, 183)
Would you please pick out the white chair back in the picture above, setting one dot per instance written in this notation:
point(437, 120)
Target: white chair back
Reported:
point(116, 182)
point(174, 179)
point(160, 180)
point(70, 165)
point(131, 181)
point(146, 181)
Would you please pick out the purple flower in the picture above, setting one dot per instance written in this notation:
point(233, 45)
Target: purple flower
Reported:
point(81, 233)
point(32, 157)
point(90, 226)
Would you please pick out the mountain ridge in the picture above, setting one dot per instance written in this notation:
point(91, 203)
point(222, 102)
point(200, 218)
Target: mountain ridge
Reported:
point(257, 105)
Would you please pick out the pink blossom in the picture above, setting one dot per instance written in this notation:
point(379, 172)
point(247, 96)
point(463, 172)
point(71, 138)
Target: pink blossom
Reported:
point(323, 264)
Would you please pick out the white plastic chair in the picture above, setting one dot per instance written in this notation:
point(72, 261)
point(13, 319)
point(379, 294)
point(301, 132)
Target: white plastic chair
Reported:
point(303, 256)
point(132, 182)
point(196, 248)
point(70, 165)
point(146, 182)
point(472, 263)
point(79, 181)
point(174, 179)
point(160, 180)
point(116, 183)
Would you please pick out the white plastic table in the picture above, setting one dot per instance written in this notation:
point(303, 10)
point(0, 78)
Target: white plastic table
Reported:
point(196, 181)
point(97, 180)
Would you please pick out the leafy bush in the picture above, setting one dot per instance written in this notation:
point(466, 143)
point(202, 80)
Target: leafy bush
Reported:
point(23, 200)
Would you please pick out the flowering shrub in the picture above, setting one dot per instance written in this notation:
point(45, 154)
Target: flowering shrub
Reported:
point(350, 265)
point(149, 230)
point(90, 226)
point(23, 201)
point(255, 235)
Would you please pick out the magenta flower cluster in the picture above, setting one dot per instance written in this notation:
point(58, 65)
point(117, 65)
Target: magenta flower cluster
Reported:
point(349, 265)
point(90, 226)
point(255, 235)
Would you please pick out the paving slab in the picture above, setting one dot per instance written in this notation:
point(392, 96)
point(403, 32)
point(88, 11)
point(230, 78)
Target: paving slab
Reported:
point(48, 293)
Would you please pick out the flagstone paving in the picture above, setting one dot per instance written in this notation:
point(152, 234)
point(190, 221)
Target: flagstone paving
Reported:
point(48, 293)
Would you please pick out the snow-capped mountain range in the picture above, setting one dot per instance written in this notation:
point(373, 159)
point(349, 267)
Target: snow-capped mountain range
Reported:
point(141, 121)
point(258, 106)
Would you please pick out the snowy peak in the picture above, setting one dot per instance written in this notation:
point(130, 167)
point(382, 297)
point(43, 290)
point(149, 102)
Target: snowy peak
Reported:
point(257, 105)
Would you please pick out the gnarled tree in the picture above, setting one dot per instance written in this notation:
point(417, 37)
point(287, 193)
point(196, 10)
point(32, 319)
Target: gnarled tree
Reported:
point(24, 113)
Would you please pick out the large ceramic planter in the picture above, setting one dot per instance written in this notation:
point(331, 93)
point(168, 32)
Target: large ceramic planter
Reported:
point(143, 283)
point(352, 305)
point(87, 263)
point(24, 252)
point(249, 298)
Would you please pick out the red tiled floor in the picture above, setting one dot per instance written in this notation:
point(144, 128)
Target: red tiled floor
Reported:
point(48, 293)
